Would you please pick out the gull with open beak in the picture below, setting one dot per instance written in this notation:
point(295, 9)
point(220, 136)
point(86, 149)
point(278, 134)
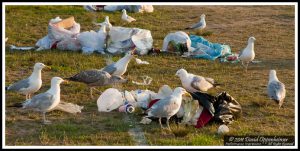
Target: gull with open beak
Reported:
point(31, 84)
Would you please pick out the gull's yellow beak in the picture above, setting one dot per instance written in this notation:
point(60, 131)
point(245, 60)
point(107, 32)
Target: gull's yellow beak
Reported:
point(187, 94)
point(48, 67)
point(66, 81)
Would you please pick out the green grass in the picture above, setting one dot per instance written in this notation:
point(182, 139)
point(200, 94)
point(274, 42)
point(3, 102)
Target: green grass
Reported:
point(272, 26)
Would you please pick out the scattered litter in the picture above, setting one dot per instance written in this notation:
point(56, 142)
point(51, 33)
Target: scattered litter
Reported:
point(127, 107)
point(68, 107)
point(177, 42)
point(61, 32)
point(145, 120)
point(12, 47)
point(146, 81)
point(139, 61)
point(232, 58)
point(223, 129)
point(205, 49)
point(130, 8)
point(109, 100)
point(122, 39)
point(256, 61)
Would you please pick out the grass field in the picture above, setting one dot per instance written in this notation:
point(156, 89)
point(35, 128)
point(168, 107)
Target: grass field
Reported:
point(272, 26)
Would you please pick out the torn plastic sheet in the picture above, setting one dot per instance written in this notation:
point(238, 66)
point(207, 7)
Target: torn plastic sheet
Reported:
point(139, 61)
point(68, 107)
point(13, 47)
point(146, 81)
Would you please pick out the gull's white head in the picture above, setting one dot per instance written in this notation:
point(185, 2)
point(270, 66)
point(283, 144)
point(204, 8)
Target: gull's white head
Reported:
point(181, 73)
point(272, 76)
point(124, 11)
point(39, 66)
point(202, 16)
point(106, 19)
point(57, 80)
point(180, 90)
point(251, 39)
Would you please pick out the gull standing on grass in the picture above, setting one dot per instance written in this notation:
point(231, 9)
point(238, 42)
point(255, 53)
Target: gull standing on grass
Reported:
point(44, 102)
point(195, 83)
point(200, 25)
point(95, 78)
point(127, 18)
point(31, 84)
point(247, 55)
point(168, 106)
point(276, 89)
point(119, 68)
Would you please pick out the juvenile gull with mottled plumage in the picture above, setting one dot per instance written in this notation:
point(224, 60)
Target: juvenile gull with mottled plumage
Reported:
point(95, 78)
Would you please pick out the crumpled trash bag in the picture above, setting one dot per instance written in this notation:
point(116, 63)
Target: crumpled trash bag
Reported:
point(60, 31)
point(223, 107)
point(206, 50)
point(129, 8)
point(109, 100)
point(142, 97)
point(226, 108)
point(122, 39)
point(68, 107)
point(177, 42)
point(92, 41)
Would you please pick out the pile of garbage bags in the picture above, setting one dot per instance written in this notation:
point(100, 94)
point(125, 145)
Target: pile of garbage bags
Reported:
point(197, 110)
point(64, 34)
point(192, 46)
point(129, 8)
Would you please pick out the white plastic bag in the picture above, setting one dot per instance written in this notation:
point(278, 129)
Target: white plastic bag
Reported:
point(123, 39)
point(109, 100)
point(59, 34)
point(92, 41)
point(177, 37)
point(68, 107)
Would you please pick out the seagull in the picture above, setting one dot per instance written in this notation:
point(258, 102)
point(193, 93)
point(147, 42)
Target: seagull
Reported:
point(276, 89)
point(31, 84)
point(200, 25)
point(247, 55)
point(127, 18)
point(95, 78)
point(168, 106)
point(106, 23)
point(44, 102)
point(194, 83)
point(119, 68)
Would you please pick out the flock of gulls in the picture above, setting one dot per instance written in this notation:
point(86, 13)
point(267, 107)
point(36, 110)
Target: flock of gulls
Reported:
point(112, 74)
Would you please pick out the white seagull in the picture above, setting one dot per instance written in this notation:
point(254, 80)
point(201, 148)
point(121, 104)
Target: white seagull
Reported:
point(105, 23)
point(195, 83)
point(119, 68)
point(276, 89)
point(247, 55)
point(168, 106)
point(127, 18)
point(31, 84)
point(44, 102)
point(200, 25)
